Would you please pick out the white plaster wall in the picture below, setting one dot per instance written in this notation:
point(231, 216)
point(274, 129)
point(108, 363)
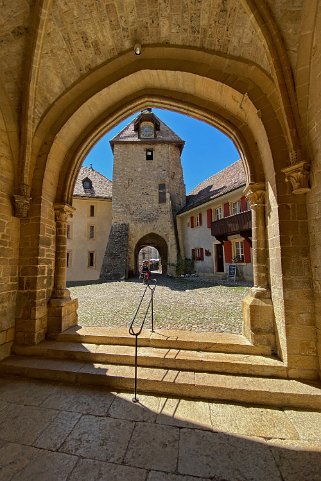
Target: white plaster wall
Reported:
point(79, 245)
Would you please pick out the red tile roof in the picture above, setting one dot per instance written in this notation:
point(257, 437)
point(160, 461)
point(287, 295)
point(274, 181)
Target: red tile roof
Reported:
point(223, 182)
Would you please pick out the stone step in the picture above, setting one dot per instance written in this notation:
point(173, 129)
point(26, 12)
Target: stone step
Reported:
point(166, 358)
point(164, 338)
point(196, 385)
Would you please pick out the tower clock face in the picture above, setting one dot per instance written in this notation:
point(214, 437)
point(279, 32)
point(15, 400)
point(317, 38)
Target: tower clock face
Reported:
point(147, 130)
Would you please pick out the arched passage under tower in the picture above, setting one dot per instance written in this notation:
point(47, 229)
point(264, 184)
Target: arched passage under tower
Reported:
point(156, 241)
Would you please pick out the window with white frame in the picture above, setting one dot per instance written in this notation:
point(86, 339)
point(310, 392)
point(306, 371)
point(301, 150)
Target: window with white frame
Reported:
point(236, 207)
point(198, 220)
point(198, 254)
point(238, 251)
point(218, 213)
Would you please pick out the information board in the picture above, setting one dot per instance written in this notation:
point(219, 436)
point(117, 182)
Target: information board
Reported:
point(232, 272)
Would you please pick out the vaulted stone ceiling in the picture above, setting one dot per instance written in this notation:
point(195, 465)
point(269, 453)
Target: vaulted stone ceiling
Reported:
point(73, 38)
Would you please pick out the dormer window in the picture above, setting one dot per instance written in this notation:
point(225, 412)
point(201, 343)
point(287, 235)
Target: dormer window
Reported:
point(87, 184)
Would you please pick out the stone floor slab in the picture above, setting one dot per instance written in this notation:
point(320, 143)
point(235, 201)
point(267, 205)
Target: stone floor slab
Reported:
point(88, 469)
point(27, 392)
point(23, 424)
point(307, 423)
point(99, 438)
point(13, 459)
point(226, 457)
point(297, 460)
point(144, 411)
point(86, 400)
point(182, 413)
point(57, 431)
point(153, 446)
point(251, 421)
point(159, 476)
point(23, 463)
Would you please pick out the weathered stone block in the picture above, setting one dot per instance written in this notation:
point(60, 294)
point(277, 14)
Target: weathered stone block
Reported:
point(62, 313)
point(258, 320)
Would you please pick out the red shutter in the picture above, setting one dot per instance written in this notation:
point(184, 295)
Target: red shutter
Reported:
point(201, 254)
point(247, 251)
point(200, 217)
point(209, 218)
point(226, 209)
point(243, 204)
point(228, 251)
point(192, 222)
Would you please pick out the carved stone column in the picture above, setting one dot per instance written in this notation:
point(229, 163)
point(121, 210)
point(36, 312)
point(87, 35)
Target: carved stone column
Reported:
point(62, 214)
point(255, 193)
point(258, 315)
point(62, 310)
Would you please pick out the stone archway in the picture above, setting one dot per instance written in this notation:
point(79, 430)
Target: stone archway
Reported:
point(259, 133)
point(156, 241)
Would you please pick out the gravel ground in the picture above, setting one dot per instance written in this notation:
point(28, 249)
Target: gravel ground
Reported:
point(179, 303)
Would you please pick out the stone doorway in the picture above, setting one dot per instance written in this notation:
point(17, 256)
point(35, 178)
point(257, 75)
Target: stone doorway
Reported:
point(156, 241)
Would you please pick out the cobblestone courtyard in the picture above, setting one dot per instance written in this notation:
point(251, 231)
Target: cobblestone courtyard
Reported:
point(183, 303)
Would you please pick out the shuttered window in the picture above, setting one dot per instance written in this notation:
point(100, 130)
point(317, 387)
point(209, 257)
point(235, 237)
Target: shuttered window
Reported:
point(228, 252)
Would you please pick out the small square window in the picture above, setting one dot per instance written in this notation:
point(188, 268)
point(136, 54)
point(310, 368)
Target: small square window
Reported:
point(92, 211)
point(91, 259)
point(149, 154)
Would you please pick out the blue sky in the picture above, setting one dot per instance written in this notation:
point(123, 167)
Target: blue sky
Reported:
point(206, 150)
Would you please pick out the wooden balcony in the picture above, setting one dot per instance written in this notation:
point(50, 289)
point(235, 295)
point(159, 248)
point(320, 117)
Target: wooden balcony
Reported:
point(234, 224)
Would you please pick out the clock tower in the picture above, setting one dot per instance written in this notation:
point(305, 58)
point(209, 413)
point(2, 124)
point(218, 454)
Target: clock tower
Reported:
point(148, 191)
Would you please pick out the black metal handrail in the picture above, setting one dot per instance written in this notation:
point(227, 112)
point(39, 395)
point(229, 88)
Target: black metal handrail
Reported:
point(138, 331)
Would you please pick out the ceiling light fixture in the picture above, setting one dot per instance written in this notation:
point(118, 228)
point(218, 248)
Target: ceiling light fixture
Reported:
point(137, 49)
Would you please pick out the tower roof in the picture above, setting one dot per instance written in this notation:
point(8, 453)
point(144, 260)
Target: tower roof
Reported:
point(163, 133)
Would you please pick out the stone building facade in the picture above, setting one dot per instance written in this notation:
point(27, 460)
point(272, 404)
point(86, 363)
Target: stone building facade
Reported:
point(251, 68)
point(148, 191)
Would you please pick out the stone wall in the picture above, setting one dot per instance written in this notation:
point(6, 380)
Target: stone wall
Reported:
point(312, 38)
point(116, 257)
point(9, 246)
point(136, 193)
point(36, 271)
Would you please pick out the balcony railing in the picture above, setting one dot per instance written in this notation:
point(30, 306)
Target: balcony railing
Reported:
point(234, 224)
